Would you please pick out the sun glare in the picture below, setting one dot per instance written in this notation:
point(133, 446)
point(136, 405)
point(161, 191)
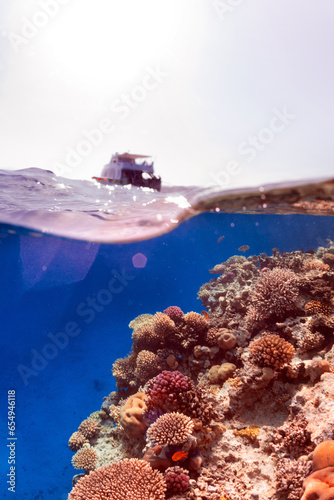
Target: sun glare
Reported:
point(108, 41)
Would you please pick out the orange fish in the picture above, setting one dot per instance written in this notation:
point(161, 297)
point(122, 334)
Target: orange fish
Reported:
point(206, 315)
point(179, 455)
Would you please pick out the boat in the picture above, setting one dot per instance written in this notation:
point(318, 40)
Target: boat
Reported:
point(126, 168)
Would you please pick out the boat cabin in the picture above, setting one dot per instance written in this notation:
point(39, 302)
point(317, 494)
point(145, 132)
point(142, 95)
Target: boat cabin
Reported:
point(133, 169)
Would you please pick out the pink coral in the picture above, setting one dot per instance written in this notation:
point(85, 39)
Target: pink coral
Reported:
point(171, 428)
point(129, 479)
point(177, 480)
point(89, 428)
point(175, 313)
point(85, 458)
point(165, 389)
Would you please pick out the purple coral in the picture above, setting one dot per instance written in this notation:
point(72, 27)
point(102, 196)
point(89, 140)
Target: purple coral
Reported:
point(177, 480)
point(175, 313)
point(167, 385)
point(164, 391)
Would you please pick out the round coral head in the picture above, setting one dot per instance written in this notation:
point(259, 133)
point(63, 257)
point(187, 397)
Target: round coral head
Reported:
point(323, 455)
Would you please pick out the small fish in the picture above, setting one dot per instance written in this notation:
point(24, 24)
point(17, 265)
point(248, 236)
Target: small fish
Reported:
point(206, 315)
point(243, 248)
point(179, 455)
point(220, 239)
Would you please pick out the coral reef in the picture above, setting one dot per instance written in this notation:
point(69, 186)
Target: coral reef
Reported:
point(177, 480)
point(76, 441)
point(271, 350)
point(132, 479)
point(85, 458)
point(132, 415)
point(89, 428)
point(230, 404)
point(170, 428)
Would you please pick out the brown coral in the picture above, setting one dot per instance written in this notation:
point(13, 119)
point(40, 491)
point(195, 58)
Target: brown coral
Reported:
point(196, 323)
point(146, 365)
point(275, 293)
point(76, 441)
point(226, 339)
point(144, 336)
point(315, 265)
point(123, 371)
point(129, 479)
point(311, 341)
point(163, 324)
point(290, 475)
point(317, 307)
point(271, 350)
point(86, 459)
point(132, 415)
point(171, 428)
point(89, 427)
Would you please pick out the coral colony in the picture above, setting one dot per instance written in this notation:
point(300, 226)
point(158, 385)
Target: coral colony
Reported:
point(236, 403)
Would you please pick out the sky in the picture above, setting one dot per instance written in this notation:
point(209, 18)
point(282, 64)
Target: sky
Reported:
point(220, 92)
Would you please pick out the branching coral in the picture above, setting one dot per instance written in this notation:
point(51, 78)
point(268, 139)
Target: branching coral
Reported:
point(275, 293)
point(76, 441)
point(86, 459)
point(89, 428)
point(316, 265)
point(146, 365)
point(173, 391)
point(318, 307)
point(132, 479)
point(310, 341)
point(290, 475)
point(271, 350)
point(123, 371)
point(171, 428)
point(163, 325)
point(296, 437)
point(144, 336)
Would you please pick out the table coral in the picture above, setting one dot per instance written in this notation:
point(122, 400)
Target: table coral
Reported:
point(132, 479)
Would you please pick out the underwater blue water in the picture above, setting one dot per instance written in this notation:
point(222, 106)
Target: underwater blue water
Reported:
point(65, 308)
